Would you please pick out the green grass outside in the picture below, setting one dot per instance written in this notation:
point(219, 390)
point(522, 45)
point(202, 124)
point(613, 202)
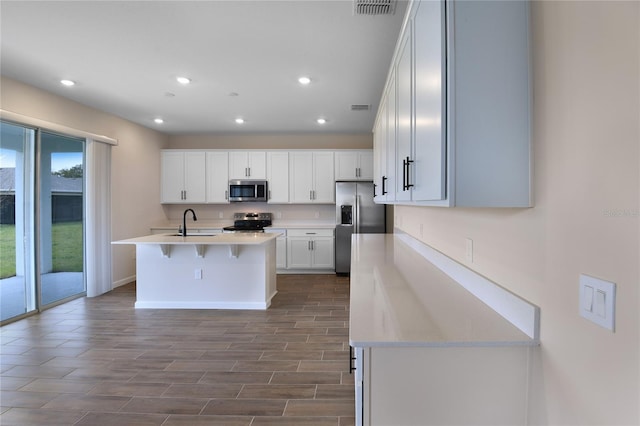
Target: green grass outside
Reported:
point(7, 251)
point(67, 248)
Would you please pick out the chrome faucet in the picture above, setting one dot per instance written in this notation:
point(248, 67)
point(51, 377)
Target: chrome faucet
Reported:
point(184, 220)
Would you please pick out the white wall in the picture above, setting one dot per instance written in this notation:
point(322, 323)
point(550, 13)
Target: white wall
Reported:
point(135, 192)
point(586, 217)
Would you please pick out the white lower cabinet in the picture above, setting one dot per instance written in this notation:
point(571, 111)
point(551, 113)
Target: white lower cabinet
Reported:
point(440, 385)
point(310, 249)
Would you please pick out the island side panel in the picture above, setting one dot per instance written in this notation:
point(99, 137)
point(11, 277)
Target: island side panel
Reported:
point(227, 282)
point(271, 268)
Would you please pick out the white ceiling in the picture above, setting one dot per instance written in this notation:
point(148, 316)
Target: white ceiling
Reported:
point(125, 55)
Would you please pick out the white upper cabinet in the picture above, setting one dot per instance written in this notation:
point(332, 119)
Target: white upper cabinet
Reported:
point(459, 134)
point(183, 177)
point(404, 134)
point(311, 177)
point(218, 177)
point(278, 176)
point(354, 165)
point(384, 145)
point(247, 165)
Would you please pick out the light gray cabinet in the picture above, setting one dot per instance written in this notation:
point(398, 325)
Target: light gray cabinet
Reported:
point(457, 113)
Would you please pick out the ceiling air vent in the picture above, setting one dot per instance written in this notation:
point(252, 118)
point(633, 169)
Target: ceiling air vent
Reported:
point(360, 107)
point(374, 7)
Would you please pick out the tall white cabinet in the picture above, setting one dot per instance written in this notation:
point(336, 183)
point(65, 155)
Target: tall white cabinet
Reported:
point(454, 120)
point(183, 177)
point(217, 177)
point(278, 176)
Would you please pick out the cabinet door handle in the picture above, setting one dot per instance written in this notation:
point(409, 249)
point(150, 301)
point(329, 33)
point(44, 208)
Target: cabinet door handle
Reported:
point(310, 195)
point(226, 195)
point(384, 186)
point(409, 184)
point(351, 359)
point(405, 174)
point(375, 185)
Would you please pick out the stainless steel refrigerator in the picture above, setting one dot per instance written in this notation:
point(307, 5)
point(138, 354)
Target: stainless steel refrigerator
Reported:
point(356, 213)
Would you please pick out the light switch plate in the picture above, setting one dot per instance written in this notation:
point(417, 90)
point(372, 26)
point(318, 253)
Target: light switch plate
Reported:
point(597, 301)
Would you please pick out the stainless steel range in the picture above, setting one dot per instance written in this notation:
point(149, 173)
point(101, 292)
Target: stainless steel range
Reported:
point(249, 222)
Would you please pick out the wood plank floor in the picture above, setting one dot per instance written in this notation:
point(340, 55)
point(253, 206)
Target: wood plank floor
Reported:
point(99, 361)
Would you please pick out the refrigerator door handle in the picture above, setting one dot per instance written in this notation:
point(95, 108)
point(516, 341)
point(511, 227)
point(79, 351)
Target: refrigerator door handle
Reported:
point(356, 206)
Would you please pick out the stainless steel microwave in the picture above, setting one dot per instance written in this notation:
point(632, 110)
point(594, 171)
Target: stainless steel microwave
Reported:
point(247, 190)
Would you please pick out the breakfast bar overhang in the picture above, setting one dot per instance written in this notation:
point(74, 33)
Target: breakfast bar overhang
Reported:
point(222, 271)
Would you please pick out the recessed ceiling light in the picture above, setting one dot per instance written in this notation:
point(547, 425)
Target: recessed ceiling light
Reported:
point(68, 82)
point(321, 121)
point(239, 120)
point(304, 80)
point(158, 120)
point(183, 80)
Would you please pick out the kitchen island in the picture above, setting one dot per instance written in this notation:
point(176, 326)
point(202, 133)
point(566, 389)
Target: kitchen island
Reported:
point(222, 271)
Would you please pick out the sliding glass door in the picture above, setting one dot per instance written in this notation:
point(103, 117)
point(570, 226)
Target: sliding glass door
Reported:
point(60, 222)
point(41, 219)
point(17, 280)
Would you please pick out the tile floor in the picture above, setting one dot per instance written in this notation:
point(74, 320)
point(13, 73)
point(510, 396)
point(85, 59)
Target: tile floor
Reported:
point(99, 361)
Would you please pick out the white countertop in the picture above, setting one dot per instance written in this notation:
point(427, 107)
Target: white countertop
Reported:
point(245, 238)
point(399, 298)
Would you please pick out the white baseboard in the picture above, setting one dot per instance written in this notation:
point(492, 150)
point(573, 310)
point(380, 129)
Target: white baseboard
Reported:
point(202, 305)
point(123, 281)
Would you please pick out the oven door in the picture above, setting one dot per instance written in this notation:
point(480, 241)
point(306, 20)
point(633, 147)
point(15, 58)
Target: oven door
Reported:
point(247, 190)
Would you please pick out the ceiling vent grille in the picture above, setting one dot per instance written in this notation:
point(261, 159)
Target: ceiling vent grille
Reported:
point(374, 7)
point(360, 107)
